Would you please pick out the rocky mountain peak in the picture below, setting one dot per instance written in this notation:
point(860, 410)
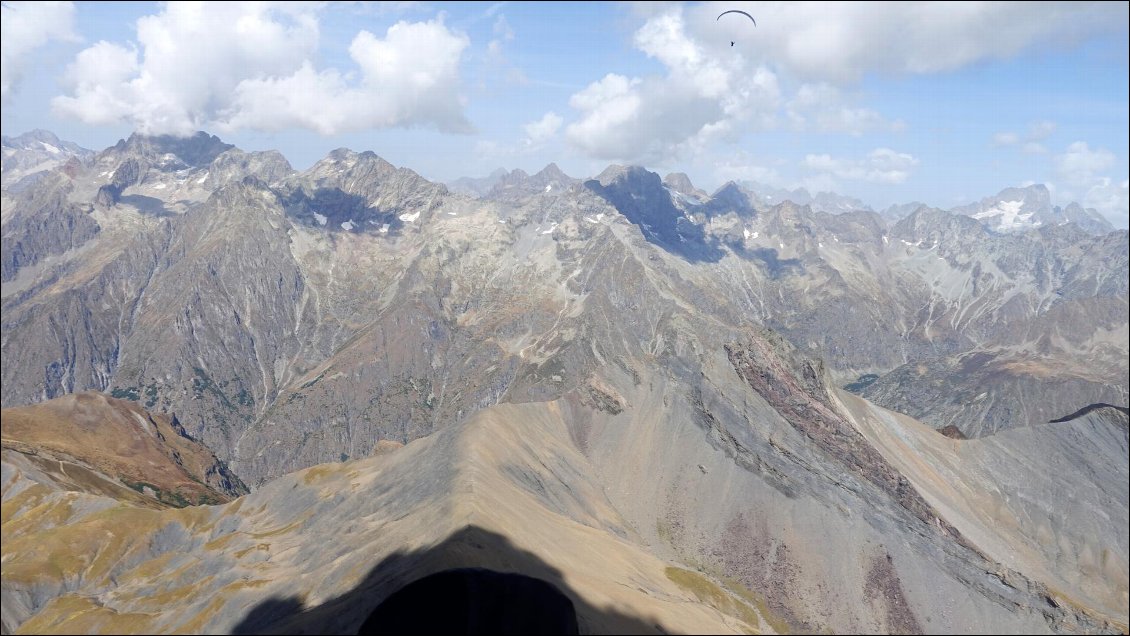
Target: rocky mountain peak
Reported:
point(169, 152)
point(551, 171)
point(629, 176)
point(932, 222)
point(270, 166)
point(28, 157)
point(681, 183)
point(44, 140)
point(1028, 207)
point(731, 197)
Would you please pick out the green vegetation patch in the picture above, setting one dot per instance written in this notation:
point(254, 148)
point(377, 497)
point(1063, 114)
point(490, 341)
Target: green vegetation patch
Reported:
point(172, 498)
point(863, 382)
point(708, 592)
point(131, 393)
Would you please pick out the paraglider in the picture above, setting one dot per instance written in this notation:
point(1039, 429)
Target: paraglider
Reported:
point(736, 11)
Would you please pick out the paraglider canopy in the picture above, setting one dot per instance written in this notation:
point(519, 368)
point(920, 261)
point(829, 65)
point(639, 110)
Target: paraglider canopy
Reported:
point(736, 11)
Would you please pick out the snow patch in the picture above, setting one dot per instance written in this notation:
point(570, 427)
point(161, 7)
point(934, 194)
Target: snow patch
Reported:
point(754, 235)
point(348, 225)
point(1010, 215)
point(747, 234)
point(782, 245)
point(320, 219)
point(452, 214)
point(201, 179)
point(409, 218)
point(548, 188)
point(160, 186)
point(550, 230)
point(384, 229)
point(49, 148)
point(885, 241)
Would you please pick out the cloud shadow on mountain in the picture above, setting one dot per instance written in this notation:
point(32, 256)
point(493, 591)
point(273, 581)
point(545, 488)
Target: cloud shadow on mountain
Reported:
point(475, 581)
point(770, 259)
point(649, 207)
point(336, 207)
point(150, 206)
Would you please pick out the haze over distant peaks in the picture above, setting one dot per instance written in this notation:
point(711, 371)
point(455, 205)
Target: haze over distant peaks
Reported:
point(1020, 209)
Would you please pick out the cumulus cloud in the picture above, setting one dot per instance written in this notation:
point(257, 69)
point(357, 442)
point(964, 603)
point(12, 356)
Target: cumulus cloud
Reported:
point(544, 129)
point(249, 65)
point(742, 167)
point(1081, 165)
point(1006, 139)
point(821, 107)
point(1030, 141)
point(881, 165)
point(835, 41)
point(703, 97)
point(1086, 172)
point(25, 27)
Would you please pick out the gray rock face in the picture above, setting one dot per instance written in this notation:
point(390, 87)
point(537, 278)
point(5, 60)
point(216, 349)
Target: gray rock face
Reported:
point(41, 222)
point(233, 165)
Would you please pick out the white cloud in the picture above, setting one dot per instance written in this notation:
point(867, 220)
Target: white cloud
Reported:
point(1006, 139)
point(1080, 165)
point(248, 65)
point(25, 27)
point(701, 98)
point(1086, 171)
point(502, 33)
point(742, 167)
point(1041, 130)
point(821, 107)
point(544, 129)
point(881, 165)
point(1030, 141)
point(836, 41)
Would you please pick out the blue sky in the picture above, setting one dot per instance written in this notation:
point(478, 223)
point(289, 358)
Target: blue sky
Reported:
point(936, 102)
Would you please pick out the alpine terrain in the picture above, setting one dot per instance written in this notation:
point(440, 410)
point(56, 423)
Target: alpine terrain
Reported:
point(243, 398)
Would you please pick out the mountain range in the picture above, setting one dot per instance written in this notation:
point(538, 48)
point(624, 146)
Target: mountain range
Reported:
point(687, 412)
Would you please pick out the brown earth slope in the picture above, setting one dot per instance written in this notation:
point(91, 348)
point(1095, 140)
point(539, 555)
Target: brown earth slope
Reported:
point(147, 452)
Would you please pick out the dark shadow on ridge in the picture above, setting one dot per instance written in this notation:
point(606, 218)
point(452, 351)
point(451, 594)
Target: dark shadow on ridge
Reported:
point(151, 206)
point(337, 206)
point(1125, 411)
point(474, 582)
point(640, 197)
point(478, 602)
